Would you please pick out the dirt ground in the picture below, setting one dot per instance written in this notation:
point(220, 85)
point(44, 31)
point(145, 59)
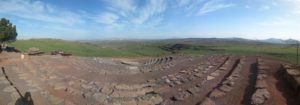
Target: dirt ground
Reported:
point(168, 80)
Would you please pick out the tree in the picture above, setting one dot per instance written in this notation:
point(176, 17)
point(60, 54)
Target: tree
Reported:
point(8, 31)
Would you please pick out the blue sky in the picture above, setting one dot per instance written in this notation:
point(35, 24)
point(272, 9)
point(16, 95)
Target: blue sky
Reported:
point(153, 19)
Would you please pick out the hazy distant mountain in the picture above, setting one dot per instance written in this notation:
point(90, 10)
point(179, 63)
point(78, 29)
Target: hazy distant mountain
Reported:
point(291, 41)
point(214, 41)
point(233, 40)
point(274, 40)
point(280, 41)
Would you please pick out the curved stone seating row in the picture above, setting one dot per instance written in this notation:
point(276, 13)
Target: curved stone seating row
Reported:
point(159, 60)
point(225, 85)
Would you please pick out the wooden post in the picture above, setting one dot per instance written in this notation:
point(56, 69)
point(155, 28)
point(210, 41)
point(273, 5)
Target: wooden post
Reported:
point(297, 53)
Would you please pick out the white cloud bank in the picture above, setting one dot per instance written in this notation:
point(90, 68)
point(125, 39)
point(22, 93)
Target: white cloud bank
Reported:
point(38, 10)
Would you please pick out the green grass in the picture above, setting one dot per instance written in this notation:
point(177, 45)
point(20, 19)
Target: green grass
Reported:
point(271, 50)
point(154, 48)
point(87, 49)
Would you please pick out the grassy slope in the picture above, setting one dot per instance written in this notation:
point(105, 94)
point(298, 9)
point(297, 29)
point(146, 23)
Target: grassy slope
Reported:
point(278, 51)
point(148, 48)
point(86, 49)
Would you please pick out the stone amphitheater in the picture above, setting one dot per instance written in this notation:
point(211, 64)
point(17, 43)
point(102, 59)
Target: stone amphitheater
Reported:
point(168, 80)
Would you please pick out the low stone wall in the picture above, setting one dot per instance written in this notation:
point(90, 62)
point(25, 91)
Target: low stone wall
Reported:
point(292, 75)
point(261, 94)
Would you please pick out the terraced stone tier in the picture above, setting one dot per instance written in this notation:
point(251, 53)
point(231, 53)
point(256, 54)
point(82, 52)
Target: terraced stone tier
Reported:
point(168, 80)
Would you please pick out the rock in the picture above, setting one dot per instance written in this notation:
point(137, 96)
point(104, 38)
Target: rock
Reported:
point(171, 84)
point(173, 78)
point(182, 95)
point(150, 99)
point(100, 97)
point(183, 71)
point(34, 51)
point(194, 90)
point(73, 91)
point(178, 82)
point(215, 74)
point(228, 82)
point(231, 78)
point(260, 84)
point(216, 93)
point(184, 80)
point(167, 81)
point(235, 75)
point(95, 89)
point(151, 80)
point(199, 85)
point(294, 72)
point(261, 76)
point(288, 66)
point(86, 87)
point(223, 68)
point(208, 101)
point(198, 75)
point(88, 94)
point(210, 78)
point(260, 96)
point(107, 89)
point(225, 88)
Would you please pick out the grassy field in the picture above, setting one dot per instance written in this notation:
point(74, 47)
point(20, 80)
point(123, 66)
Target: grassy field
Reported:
point(154, 48)
point(88, 49)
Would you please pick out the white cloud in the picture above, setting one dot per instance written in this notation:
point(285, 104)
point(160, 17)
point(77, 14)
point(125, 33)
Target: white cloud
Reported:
point(153, 8)
point(182, 3)
point(212, 6)
point(129, 13)
point(122, 7)
point(201, 7)
point(107, 18)
point(38, 10)
point(296, 5)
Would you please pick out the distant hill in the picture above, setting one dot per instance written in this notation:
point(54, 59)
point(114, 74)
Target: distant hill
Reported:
point(214, 41)
point(280, 41)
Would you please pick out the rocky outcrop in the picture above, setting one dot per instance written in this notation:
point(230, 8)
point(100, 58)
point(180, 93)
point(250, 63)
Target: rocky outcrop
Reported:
point(292, 76)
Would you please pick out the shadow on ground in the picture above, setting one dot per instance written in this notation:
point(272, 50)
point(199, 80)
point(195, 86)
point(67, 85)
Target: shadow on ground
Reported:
point(26, 100)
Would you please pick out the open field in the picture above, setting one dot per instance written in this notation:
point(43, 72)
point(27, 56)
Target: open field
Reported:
point(156, 48)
